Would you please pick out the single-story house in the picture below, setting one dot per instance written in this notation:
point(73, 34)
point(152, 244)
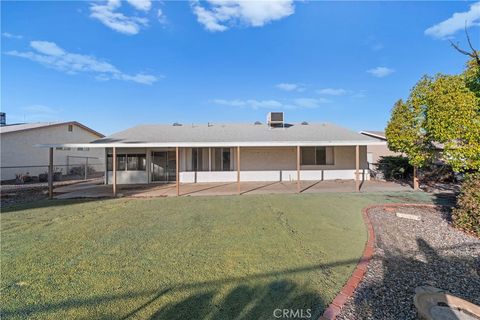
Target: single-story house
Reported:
point(271, 151)
point(19, 156)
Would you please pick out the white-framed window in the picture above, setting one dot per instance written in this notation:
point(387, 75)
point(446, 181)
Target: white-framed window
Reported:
point(311, 156)
point(128, 162)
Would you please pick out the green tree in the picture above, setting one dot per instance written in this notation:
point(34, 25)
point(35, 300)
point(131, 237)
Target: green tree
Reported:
point(452, 119)
point(441, 111)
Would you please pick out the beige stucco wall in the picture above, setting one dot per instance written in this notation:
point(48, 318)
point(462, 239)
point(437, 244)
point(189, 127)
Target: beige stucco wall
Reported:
point(280, 158)
point(379, 151)
point(17, 149)
point(257, 164)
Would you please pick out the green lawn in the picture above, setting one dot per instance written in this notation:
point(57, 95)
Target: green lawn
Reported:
point(181, 258)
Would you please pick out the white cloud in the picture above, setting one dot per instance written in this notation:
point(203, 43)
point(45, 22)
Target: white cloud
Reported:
point(360, 94)
point(106, 13)
point(143, 5)
point(219, 15)
point(456, 22)
point(299, 103)
point(48, 48)
point(51, 55)
point(332, 91)
point(161, 17)
point(251, 103)
point(310, 103)
point(380, 72)
point(290, 87)
point(11, 36)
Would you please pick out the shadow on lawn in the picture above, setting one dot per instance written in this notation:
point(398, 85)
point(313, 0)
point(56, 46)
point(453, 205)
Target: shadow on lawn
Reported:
point(249, 297)
point(243, 301)
point(246, 302)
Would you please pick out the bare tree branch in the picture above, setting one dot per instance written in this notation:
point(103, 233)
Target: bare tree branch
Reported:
point(461, 50)
point(475, 52)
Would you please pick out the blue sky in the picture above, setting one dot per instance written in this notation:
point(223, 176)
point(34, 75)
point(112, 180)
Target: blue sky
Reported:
point(113, 65)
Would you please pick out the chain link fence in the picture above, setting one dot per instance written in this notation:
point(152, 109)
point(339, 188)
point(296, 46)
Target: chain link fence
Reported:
point(30, 175)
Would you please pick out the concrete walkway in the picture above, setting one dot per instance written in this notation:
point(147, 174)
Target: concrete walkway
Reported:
point(92, 190)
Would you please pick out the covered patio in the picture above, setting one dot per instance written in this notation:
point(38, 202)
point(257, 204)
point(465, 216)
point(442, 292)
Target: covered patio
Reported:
point(166, 160)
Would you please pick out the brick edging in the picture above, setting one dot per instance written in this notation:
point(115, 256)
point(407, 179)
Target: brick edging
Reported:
point(349, 288)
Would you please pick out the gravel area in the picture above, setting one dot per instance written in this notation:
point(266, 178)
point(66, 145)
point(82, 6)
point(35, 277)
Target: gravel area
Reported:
point(411, 253)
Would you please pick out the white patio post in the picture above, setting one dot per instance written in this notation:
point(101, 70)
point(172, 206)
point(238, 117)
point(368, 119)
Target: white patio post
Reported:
point(86, 168)
point(209, 158)
point(177, 171)
point(114, 171)
point(298, 169)
point(357, 168)
point(50, 173)
point(238, 169)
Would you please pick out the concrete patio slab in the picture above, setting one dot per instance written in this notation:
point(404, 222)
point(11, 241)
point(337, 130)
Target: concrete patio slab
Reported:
point(95, 190)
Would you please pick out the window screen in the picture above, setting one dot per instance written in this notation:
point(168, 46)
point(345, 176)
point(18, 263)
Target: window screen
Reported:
point(321, 156)
point(136, 162)
point(308, 156)
point(317, 156)
point(121, 162)
point(226, 159)
point(222, 159)
point(194, 159)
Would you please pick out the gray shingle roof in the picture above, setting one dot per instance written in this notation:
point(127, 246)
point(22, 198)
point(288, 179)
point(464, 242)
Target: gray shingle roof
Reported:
point(37, 125)
point(226, 133)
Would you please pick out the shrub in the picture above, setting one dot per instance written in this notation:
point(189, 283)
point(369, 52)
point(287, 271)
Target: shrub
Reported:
point(466, 215)
point(394, 167)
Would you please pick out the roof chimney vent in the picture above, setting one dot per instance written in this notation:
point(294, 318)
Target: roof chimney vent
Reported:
point(3, 119)
point(257, 123)
point(275, 119)
point(304, 123)
point(176, 124)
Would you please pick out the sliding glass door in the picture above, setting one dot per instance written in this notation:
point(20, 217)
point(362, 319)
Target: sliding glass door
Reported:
point(163, 166)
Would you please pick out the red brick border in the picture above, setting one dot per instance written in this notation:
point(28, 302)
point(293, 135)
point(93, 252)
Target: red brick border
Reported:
point(349, 288)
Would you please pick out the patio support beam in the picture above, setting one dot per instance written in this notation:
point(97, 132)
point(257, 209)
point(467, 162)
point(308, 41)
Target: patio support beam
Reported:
point(177, 170)
point(114, 171)
point(50, 173)
point(415, 178)
point(209, 159)
point(357, 168)
point(298, 169)
point(238, 169)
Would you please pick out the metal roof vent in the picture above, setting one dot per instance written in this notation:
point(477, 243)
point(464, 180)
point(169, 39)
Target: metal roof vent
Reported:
point(304, 123)
point(176, 124)
point(275, 119)
point(257, 123)
point(3, 119)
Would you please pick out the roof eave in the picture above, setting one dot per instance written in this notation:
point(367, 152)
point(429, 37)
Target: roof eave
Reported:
point(214, 144)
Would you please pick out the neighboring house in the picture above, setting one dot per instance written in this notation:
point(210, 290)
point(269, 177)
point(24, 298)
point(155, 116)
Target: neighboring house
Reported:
point(375, 152)
point(19, 156)
point(275, 151)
